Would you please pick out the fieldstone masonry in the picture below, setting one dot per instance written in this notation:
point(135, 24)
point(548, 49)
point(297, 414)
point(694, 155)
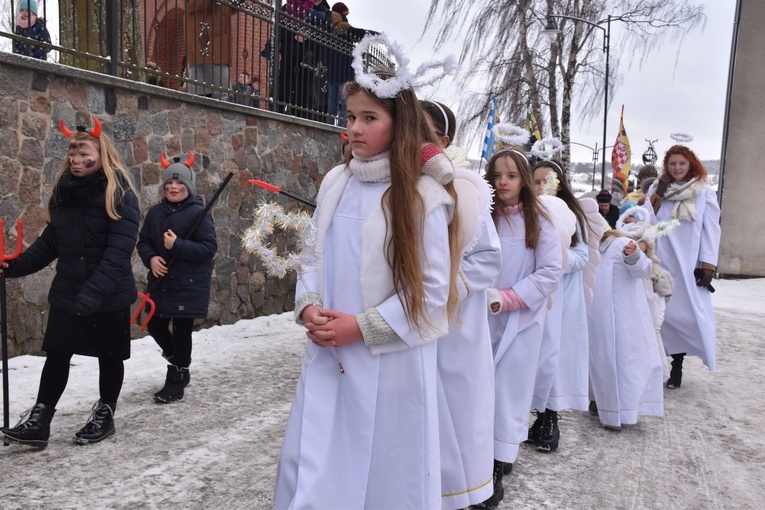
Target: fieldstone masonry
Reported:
point(144, 120)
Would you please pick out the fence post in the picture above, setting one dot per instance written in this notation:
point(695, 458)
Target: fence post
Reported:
point(275, 54)
point(112, 35)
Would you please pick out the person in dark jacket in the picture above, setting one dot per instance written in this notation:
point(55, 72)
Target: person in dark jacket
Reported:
point(92, 229)
point(28, 24)
point(607, 209)
point(181, 290)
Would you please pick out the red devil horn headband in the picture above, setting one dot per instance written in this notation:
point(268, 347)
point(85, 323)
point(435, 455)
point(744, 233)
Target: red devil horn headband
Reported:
point(163, 160)
point(190, 161)
point(95, 132)
point(165, 163)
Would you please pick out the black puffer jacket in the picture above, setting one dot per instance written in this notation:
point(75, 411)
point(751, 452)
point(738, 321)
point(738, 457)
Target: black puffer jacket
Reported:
point(185, 290)
point(93, 273)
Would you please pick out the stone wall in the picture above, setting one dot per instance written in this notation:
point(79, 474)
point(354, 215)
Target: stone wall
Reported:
point(144, 120)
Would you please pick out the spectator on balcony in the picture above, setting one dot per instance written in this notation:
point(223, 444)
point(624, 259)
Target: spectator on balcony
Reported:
point(342, 27)
point(33, 27)
point(321, 11)
point(243, 90)
point(208, 47)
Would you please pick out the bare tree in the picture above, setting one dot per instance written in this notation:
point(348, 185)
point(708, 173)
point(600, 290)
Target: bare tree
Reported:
point(506, 53)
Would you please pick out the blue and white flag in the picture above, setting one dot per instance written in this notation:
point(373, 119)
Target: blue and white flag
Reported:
point(488, 139)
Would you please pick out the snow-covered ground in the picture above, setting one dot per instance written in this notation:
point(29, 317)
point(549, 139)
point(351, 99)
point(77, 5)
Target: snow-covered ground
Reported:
point(218, 447)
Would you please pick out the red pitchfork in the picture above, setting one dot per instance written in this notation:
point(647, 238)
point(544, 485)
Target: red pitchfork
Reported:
point(3, 316)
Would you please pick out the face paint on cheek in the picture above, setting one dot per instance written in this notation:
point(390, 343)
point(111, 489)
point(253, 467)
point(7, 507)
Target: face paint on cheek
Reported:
point(90, 163)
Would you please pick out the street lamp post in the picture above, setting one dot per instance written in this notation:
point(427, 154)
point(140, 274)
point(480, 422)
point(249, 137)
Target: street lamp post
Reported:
point(551, 27)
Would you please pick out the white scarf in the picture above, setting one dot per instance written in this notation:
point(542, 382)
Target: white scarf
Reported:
point(684, 195)
point(376, 276)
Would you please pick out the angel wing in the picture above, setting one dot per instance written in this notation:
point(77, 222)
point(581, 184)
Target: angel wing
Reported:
point(473, 202)
point(564, 221)
point(596, 227)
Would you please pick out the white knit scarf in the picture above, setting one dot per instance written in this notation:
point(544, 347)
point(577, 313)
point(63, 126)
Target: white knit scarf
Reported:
point(684, 195)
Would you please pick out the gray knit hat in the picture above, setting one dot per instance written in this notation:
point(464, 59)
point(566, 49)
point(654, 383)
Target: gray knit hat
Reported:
point(179, 171)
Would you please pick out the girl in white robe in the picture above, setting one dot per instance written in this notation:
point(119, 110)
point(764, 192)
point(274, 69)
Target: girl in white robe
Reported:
point(465, 360)
point(531, 271)
point(625, 367)
point(561, 380)
point(682, 193)
point(363, 429)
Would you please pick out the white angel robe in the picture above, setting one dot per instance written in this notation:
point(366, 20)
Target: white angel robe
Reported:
point(689, 319)
point(466, 367)
point(368, 438)
point(625, 367)
point(566, 387)
point(517, 336)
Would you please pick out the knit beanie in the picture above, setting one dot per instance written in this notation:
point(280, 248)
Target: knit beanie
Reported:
point(180, 172)
point(30, 5)
point(627, 205)
point(604, 197)
point(341, 8)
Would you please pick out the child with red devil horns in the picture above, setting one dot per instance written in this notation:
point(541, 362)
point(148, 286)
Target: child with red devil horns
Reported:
point(181, 292)
point(92, 229)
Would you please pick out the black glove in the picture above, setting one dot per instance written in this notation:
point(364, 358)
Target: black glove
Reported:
point(704, 278)
point(664, 181)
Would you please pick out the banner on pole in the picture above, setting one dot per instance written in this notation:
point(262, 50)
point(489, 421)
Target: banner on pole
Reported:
point(621, 161)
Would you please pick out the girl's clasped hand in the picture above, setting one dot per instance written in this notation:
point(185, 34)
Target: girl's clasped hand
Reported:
point(327, 328)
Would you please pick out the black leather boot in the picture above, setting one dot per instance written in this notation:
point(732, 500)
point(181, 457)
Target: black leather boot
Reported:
point(499, 490)
point(676, 374)
point(549, 435)
point(34, 430)
point(176, 379)
point(100, 424)
point(536, 427)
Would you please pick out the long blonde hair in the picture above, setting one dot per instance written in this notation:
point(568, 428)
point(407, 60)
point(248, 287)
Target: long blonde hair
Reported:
point(118, 180)
point(405, 206)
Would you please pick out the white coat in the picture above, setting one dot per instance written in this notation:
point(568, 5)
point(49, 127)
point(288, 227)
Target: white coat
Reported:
point(368, 438)
point(517, 336)
point(625, 367)
point(689, 319)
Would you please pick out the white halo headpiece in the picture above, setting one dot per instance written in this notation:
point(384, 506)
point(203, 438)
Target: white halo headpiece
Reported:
point(546, 148)
point(681, 137)
point(426, 74)
point(634, 230)
point(511, 134)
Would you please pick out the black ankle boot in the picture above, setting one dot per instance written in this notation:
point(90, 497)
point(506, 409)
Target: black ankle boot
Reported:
point(175, 381)
point(676, 374)
point(536, 427)
point(549, 436)
point(100, 424)
point(499, 490)
point(35, 430)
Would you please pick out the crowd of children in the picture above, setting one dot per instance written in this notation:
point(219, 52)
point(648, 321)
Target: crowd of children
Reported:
point(444, 293)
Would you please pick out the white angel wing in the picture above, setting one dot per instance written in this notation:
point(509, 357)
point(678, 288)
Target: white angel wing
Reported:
point(596, 227)
point(565, 222)
point(473, 202)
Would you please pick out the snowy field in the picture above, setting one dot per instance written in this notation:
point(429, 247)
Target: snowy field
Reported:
point(218, 447)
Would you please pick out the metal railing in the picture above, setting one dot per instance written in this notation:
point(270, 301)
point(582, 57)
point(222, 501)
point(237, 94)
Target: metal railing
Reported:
point(269, 55)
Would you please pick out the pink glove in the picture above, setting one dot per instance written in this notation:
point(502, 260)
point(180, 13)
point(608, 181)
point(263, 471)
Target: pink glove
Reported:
point(511, 302)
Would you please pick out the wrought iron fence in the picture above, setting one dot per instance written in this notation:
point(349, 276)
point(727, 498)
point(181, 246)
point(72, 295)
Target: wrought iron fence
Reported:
point(261, 54)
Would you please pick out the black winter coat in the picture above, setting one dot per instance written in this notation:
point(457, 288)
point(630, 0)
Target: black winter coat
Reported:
point(185, 290)
point(93, 272)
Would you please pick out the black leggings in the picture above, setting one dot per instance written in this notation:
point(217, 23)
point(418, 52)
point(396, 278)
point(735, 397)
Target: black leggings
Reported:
point(175, 344)
point(55, 375)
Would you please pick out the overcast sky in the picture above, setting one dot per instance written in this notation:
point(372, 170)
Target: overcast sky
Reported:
point(659, 99)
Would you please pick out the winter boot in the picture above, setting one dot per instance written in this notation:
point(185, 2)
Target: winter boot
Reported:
point(549, 436)
point(499, 490)
point(676, 374)
point(593, 407)
point(186, 376)
point(100, 424)
point(536, 427)
point(35, 430)
point(507, 468)
point(175, 381)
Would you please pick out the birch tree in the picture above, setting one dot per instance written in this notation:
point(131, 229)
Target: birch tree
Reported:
point(508, 57)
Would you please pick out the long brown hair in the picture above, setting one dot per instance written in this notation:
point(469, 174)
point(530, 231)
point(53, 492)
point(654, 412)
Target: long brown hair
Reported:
point(697, 169)
point(565, 194)
point(532, 207)
point(118, 180)
point(404, 204)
